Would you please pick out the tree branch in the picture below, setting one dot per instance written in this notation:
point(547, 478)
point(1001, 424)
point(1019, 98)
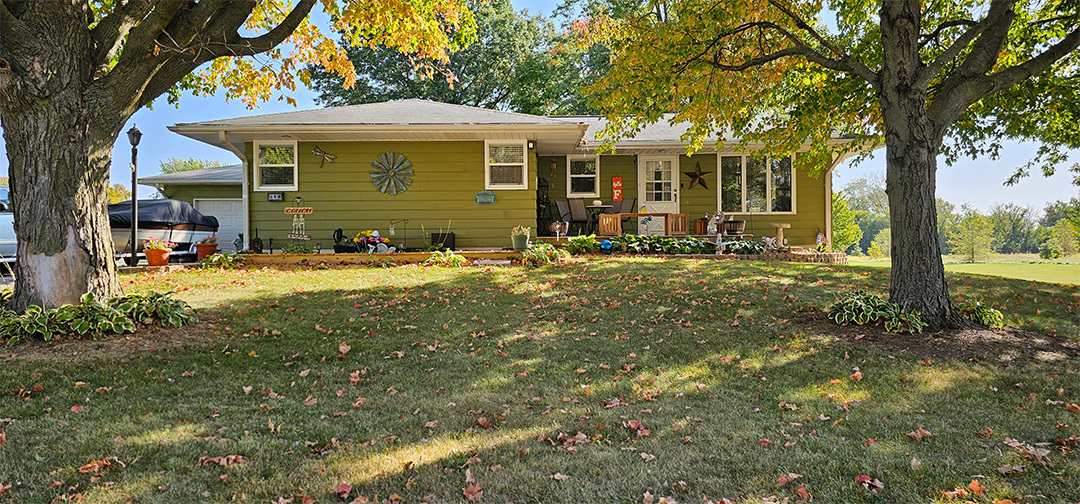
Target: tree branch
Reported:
point(109, 33)
point(998, 10)
point(255, 45)
point(926, 39)
point(857, 66)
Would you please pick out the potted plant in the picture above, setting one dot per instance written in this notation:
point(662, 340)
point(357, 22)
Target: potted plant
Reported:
point(157, 251)
point(368, 240)
point(520, 237)
point(206, 247)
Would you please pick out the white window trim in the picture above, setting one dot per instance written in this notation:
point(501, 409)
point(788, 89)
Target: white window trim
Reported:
point(524, 167)
point(258, 187)
point(571, 194)
point(768, 185)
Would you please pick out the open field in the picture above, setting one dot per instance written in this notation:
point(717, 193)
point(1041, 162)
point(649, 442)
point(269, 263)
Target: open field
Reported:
point(595, 381)
point(1018, 266)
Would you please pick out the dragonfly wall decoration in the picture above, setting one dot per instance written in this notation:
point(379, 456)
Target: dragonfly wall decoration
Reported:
point(326, 157)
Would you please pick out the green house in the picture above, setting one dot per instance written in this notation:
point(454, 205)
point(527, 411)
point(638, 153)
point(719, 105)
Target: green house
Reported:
point(474, 172)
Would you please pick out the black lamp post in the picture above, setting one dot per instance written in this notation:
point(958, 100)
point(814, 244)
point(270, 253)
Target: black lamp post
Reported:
point(134, 135)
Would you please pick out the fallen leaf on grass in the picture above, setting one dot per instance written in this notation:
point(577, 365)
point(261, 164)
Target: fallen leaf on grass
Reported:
point(647, 498)
point(956, 492)
point(76, 408)
point(247, 389)
point(3, 438)
point(647, 457)
point(1007, 469)
point(559, 477)
point(979, 491)
point(803, 492)
point(1039, 455)
point(310, 401)
point(484, 422)
point(343, 490)
point(787, 478)
point(304, 373)
point(344, 348)
point(4, 488)
point(226, 461)
point(915, 464)
point(873, 485)
point(919, 435)
point(95, 466)
point(472, 492)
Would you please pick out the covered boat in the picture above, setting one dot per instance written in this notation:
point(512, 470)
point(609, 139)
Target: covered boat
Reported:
point(165, 219)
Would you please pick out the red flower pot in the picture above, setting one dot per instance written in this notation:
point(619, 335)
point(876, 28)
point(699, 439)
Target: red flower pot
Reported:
point(157, 257)
point(204, 250)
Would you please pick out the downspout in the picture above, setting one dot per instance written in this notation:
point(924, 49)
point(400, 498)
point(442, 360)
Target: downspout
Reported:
point(243, 185)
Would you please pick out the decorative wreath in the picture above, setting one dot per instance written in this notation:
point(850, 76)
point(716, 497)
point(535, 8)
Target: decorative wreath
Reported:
point(392, 172)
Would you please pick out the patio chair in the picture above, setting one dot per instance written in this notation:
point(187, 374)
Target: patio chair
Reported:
point(628, 206)
point(579, 215)
point(564, 210)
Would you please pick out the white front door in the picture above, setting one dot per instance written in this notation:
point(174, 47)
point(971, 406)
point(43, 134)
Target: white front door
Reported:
point(658, 190)
point(230, 216)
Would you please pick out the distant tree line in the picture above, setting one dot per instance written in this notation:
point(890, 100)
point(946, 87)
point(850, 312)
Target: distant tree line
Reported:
point(861, 220)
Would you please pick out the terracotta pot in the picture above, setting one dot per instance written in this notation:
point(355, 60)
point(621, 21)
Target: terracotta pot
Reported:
point(157, 257)
point(204, 250)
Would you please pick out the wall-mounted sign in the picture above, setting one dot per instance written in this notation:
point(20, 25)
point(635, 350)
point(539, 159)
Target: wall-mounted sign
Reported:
point(299, 210)
point(485, 198)
point(616, 188)
point(296, 236)
point(275, 196)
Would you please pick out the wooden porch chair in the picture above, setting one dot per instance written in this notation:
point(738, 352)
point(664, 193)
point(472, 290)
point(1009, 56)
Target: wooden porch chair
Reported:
point(677, 224)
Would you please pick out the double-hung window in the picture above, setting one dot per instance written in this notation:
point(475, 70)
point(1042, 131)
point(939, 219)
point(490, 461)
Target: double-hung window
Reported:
point(275, 166)
point(583, 176)
point(751, 184)
point(506, 164)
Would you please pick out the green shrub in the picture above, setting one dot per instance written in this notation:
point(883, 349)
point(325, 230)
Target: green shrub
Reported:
point(297, 248)
point(1050, 251)
point(863, 308)
point(981, 314)
point(92, 318)
point(746, 247)
point(584, 244)
point(643, 244)
point(222, 261)
point(539, 254)
point(445, 258)
point(155, 306)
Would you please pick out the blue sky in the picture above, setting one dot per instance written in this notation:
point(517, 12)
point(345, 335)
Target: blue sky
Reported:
point(978, 182)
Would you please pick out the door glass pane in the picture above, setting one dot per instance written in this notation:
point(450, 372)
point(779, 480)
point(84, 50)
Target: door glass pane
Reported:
point(781, 184)
point(731, 184)
point(755, 185)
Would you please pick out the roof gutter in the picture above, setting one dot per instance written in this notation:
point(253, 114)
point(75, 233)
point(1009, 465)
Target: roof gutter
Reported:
point(222, 138)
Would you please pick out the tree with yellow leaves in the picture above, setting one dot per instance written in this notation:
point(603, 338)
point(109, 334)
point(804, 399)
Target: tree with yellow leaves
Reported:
point(72, 72)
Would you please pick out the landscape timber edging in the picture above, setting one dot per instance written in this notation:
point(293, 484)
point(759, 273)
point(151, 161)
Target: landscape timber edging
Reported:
point(398, 257)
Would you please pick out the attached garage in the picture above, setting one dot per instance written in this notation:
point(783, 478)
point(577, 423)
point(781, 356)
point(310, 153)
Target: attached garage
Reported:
point(230, 216)
point(212, 191)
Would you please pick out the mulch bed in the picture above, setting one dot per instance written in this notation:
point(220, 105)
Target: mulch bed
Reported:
point(148, 339)
point(976, 343)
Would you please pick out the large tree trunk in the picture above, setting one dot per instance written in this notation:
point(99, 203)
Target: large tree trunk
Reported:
point(912, 141)
point(59, 155)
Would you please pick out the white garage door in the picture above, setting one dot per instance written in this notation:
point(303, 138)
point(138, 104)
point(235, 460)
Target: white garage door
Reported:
point(230, 216)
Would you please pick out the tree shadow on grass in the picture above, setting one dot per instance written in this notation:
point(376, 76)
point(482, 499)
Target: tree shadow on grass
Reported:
point(535, 354)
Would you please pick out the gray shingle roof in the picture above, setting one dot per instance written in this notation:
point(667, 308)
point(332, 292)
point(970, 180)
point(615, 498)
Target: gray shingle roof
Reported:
point(396, 113)
point(221, 175)
point(658, 132)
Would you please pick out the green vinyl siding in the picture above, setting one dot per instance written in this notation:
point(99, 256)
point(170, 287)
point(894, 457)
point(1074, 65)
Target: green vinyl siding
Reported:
point(696, 201)
point(189, 192)
point(447, 176)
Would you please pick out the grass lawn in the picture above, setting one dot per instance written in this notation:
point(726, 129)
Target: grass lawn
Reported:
point(595, 381)
point(1005, 265)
